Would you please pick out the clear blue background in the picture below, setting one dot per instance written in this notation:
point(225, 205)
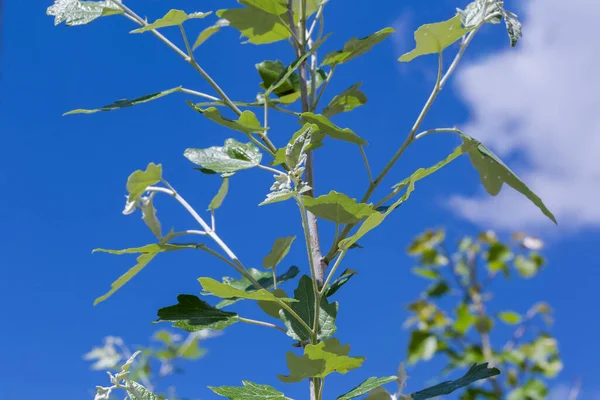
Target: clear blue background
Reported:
point(63, 184)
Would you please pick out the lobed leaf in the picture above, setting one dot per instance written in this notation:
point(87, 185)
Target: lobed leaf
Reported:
point(172, 18)
point(366, 386)
point(246, 123)
point(475, 373)
point(249, 391)
point(338, 208)
point(225, 291)
point(233, 156)
point(346, 101)
point(139, 181)
point(192, 314)
point(259, 26)
point(76, 12)
point(329, 128)
point(356, 47)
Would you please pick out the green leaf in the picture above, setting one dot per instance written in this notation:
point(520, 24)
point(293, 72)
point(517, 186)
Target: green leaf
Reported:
point(477, 12)
point(438, 289)
point(147, 254)
point(280, 249)
point(249, 391)
point(527, 267)
point(75, 12)
point(426, 273)
point(172, 18)
point(301, 142)
point(220, 196)
point(377, 218)
point(356, 47)
point(246, 123)
point(124, 103)
point(272, 71)
point(264, 278)
point(379, 394)
point(319, 360)
point(141, 393)
point(366, 386)
point(270, 308)
point(339, 282)
point(534, 389)
point(475, 373)
point(464, 319)
point(139, 181)
point(149, 216)
point(233, 156)
point(304, 306)
point(258, 26)
point(208, 32)
point(513, 27)
point(422, 346)
point(348, 100)
point(338, 208)
point(510, 317)
point(428, 240)
point(494, 173)
point(329, 128)
point(225, 291)
point(192, 314)
point(434, 38)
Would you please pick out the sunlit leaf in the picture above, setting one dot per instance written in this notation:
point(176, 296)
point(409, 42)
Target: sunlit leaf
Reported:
point(140, 392)
point(139, 181)
point(228, 292)
point(475, 373)
point(208, 32)
point(280, 249)
point(76, 12)
point(434, 38)
point(172, 18)
point(426, 273)
point(513, 27)
point(192, 314)
point(510, 317)
point(330, 129)
point(271, 72)
point(149, 216)
point(356, 47)
point(366, 386)
point(233, 156)
point(338, 208)
point(464, 319)
point(477, 12)
point(249, 391)
point(247, 122)
point(319, 360)
point(348, 100)
point(270, 308)
point(260, 27)
point(422, 346)
point(220, 196)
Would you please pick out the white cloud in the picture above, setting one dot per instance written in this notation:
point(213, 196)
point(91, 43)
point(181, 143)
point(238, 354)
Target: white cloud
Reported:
point(540, 102)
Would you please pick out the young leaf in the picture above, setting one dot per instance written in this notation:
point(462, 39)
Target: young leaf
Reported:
point(76, 12)
point(208, 32)
point(329, 128)
point(233, 156)
point(513, 27)
point(338, 208)
point(356, 47)
point(510, 317)
point(258, 26)
point(149, 216)
point(246, 123)
point(220, 196)
point(126, 103)
point(192, 314)
point(264, 278)
point(475, 373)
point(305, 308)
point(477, 12)
point(147, 254)
point(138, 182)
point(172, 18)
point(281, 190)
point(339, 282)
point(271, 71)
point(494, 173)
point(434, 38)
point(280, 249)
point(140, 392)
point(348, 100)
point(319, 360)
point(366, 386)
point(295, 151)
point(227, 292)
point(249, 391)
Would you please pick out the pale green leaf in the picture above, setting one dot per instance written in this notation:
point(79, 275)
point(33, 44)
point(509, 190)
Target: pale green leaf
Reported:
point(76, 12)
point(513, 27)
point(126, 103)
point(320, 360)
point(249, 391)
point(220, 196)
point(246, 123)
point(149, 216)
point(172, 18)
point(139, 392)
point(270, 308)
point(280, 249)
point(338, 208)
point(464, 319)
point(139, 181)
point(208, 32)
point(192, 314)
point(510, 317)
point(329, 128)
point(475, 373)
point(477, 12)
point(225, 291)
point(305, 308)
point(426, 273)
point(366, 386)
point(233, 156)
point(356, 47)
point(348, 100)
point(258, 26)
point(434, 38)
point(494, 173)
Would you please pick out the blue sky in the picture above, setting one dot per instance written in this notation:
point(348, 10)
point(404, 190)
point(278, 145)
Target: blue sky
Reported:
point(64, 183)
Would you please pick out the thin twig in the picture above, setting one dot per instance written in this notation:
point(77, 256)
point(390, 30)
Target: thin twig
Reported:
point(261, 323)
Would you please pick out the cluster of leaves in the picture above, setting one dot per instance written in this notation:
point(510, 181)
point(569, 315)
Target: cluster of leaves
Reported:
point(452, 318)
point(151, 363)
point(308, 317)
